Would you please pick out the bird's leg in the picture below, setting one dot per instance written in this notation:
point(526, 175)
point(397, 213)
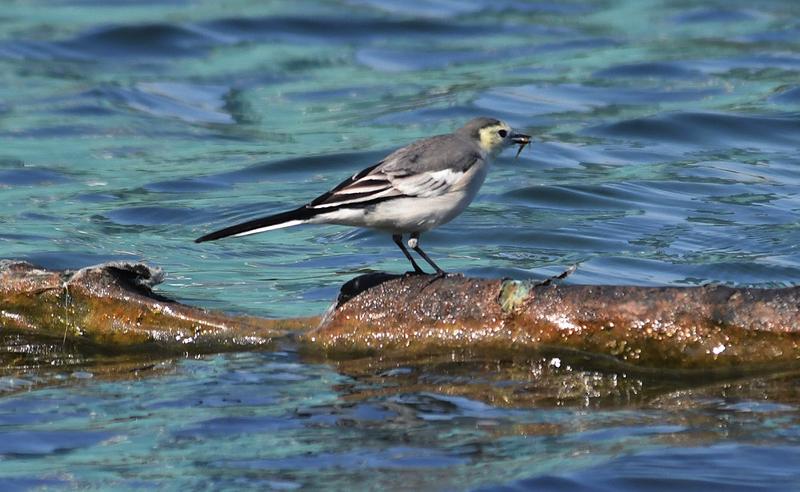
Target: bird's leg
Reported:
point(413, 242)
point(398, 240)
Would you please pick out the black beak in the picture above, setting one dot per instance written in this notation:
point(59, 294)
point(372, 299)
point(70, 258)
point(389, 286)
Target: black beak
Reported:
point(521, 140)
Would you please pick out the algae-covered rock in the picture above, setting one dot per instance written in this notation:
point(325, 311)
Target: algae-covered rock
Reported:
point(708, 328)
point(112, 306)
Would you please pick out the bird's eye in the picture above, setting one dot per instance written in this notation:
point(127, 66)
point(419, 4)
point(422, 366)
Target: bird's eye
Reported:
point(502, 133)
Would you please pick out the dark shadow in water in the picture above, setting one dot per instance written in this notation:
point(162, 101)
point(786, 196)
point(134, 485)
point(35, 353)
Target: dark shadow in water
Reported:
point(549, 379)
point(32, 363)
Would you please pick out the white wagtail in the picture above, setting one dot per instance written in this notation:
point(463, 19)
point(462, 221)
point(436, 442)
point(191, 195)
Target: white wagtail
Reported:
point(414, 189)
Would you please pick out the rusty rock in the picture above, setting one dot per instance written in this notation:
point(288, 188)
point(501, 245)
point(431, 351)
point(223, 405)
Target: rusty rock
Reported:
point(112, 306)
point(708, 328)
point(698, 330)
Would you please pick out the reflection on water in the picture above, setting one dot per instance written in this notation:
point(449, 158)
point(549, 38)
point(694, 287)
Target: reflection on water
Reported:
point(276, 420)
point(665, 152)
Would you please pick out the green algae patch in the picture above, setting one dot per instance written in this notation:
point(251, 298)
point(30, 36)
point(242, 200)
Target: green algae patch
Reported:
point(513, 294)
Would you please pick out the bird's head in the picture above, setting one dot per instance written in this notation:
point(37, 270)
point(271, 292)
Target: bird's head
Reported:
point(493, 135)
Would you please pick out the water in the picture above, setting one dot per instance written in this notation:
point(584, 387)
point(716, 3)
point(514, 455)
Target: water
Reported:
point(667, 136)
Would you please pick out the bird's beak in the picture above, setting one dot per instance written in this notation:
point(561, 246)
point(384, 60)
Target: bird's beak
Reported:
point(521, 140)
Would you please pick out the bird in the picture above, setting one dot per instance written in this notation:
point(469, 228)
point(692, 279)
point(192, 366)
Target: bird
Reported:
point(412, 190)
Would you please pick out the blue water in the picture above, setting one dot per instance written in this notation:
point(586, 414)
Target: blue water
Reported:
point(666, 153)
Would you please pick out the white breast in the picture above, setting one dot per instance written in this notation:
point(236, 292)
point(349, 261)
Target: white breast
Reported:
point(420, 214)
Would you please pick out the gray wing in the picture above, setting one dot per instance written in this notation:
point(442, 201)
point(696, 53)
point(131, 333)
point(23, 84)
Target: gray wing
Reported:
point(426, 168)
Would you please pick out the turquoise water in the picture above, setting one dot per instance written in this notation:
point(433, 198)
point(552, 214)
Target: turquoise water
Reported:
point(666, 153)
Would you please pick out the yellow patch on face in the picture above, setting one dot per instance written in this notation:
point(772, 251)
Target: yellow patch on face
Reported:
point(490, 139)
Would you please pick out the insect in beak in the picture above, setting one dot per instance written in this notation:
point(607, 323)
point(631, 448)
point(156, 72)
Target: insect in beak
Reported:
point(521, 140)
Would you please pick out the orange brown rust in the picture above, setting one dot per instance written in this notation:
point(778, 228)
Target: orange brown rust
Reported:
point(701, 330)
point(709, 328)
point(112, 306)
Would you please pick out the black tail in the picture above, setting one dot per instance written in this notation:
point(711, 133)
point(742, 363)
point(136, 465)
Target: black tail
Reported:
point(275, 221)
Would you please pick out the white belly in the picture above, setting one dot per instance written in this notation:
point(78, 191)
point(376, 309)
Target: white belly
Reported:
point(405, 215)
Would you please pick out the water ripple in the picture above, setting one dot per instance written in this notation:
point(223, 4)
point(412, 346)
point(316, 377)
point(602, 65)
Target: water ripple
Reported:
point(709, 129)
point(656, 70)
point(150, 215)
point(31, 177)
point(193, 103)
point(399, 457)
point(342, 29)
point(684, 468)
point(388, 60)
point(272, 171)
point(142, 41)
point(49, 442)
point(532, 100)
point(721, 15)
